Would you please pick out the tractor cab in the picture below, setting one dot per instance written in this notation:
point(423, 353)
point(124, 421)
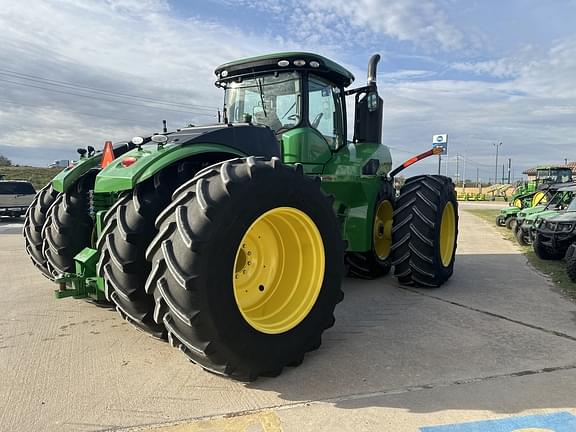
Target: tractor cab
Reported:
point(553, 175)
point(301, 97)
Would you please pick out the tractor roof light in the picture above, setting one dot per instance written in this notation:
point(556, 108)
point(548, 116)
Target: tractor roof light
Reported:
point(314, 64)
point(159, 139)
point(283, 63)
point(224, 73)
point(299, 63)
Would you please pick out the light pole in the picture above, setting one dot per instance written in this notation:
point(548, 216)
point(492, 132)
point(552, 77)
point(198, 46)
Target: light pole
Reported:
point(496, 165)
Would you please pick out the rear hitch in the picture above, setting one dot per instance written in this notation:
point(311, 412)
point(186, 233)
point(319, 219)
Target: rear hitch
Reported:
point(84, 283)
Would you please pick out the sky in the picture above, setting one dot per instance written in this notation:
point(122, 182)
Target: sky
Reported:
point(77, 73)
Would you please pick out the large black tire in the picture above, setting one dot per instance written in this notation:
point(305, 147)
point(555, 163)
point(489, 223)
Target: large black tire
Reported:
point(33, 224)
point(194, 259)
point(511, 223)
point(368, 265)
point(571, 262)
point(500, 221)
point(417, 254)
point(68, 226)
point(544, 252)
point(128, 230)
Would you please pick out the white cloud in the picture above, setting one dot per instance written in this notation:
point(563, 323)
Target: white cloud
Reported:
point(125, 46)
point(422, 22)
point(344, 23)
point(533, 113)
point(143, 48)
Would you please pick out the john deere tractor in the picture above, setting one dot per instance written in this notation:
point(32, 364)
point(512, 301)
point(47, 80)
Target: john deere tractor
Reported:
point(232, 239)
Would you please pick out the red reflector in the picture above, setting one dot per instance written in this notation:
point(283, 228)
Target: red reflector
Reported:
point(108, 155)
point(128, 160)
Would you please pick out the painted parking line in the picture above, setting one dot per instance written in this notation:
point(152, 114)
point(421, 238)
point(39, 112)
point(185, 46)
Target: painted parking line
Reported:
point(557, 422)
point(260, 422)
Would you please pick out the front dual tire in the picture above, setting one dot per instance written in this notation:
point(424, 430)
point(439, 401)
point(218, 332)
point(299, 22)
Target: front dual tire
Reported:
point(247, 267)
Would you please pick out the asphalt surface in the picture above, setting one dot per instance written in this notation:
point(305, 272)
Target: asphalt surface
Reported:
point(497, 342)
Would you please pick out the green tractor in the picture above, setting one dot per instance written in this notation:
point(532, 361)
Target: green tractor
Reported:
point(231, 240)
point(524, 194)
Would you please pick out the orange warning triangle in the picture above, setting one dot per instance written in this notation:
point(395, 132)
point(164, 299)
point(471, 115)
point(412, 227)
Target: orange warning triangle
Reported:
point(108, 155)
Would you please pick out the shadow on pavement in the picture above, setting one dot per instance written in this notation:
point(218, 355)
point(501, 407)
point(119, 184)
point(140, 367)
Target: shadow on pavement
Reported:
point(391, 341)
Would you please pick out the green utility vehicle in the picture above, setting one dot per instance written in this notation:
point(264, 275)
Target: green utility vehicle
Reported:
point(523, 230)
point(555, 233)
point(232, 239)
point(508, 215)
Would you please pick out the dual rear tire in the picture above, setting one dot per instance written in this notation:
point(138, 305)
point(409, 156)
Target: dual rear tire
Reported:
point(425, 231)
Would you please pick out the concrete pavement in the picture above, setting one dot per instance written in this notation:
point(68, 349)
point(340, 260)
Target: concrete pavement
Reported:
point(497, 340)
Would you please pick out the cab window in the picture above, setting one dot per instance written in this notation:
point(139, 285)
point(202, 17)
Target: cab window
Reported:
point(325, 110)
point(270, 100)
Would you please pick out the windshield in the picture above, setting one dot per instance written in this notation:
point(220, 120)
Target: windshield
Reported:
point(560, 200)
point(572, 206)
point(556, 175)
point(271, 100)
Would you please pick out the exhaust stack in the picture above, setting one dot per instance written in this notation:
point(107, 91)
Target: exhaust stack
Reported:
point(369, 108)
point(372, 66)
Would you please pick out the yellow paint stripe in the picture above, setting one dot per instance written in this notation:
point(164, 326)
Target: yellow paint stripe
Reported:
point(257, 422)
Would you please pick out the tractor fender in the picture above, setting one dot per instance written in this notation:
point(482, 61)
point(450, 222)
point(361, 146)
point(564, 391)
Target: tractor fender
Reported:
point(150, 159)
point(65, 178)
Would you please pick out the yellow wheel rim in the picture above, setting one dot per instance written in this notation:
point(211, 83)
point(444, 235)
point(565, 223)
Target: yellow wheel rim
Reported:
point(278, 270)
point(538, 198)
point(382, 231)
point(517, 203)
point(447, 234)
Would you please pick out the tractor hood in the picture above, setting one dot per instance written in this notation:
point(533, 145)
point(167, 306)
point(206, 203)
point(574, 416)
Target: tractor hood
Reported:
point(217, 142)
point(247, 138)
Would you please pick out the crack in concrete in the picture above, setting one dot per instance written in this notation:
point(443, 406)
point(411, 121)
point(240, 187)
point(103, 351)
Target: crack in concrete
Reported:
point(493, 314)
point(354, 396)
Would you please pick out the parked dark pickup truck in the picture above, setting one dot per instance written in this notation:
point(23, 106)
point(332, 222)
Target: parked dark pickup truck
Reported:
point(15, 197)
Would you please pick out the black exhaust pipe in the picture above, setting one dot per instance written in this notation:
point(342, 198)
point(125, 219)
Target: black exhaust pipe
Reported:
point(369, 108)
point(372, 67)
